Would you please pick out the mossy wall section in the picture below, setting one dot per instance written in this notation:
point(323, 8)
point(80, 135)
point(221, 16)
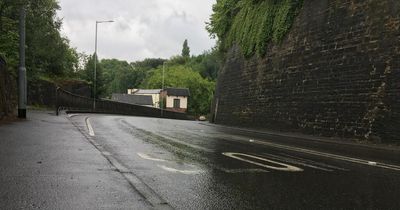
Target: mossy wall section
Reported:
point(252, 24)
point(335, 73)
point(8, 96)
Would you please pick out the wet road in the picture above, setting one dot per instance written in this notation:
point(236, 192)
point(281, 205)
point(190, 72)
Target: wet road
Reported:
point(195, 165)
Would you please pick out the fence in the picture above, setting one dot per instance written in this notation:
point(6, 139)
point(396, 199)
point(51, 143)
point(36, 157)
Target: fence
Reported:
point(69, 101)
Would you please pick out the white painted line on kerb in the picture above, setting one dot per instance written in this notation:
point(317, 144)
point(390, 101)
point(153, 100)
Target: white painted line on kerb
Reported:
point(242, 157)
point(147, 157)
point(89, 126)
point(333, 156)
point(174, 170)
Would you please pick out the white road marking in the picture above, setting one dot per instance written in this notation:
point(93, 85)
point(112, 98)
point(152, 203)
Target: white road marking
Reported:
point(174, 139)
point(90, 128)
point(174, 170)
point(106, 153)
point(170, 138)
point(312, 152)
point(72, 115)
point(328, 155)
point(297, 162)
point(286, 167)
point(147, 157)
point(313, 162)
point(250, 170)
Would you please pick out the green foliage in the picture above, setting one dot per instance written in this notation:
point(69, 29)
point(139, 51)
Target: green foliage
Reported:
point(87, 74)
point(185, 49)
point(120, 75)
point(47, 52)
point(251, 24)
point(207, 64)
point(198, 73)
point(148, 63)
point(179, 76)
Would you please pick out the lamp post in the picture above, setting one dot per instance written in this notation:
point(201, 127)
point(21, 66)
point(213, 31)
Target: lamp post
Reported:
point(22, 70)
point(95, 63)
point(162, 89)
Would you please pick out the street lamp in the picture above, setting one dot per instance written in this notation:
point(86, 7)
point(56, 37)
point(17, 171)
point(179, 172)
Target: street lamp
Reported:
point(162, 89)
point(21, 69)
point(95, 62)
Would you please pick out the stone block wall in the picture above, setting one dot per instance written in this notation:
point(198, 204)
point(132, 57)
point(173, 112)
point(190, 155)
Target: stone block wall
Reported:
point(337, 73)
point(8, 97)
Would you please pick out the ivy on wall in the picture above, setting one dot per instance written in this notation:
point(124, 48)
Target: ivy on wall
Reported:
point(252, 24)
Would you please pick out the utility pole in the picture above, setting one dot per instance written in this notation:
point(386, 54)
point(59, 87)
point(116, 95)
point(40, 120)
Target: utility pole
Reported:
point(94, 73)
point(162, 89)
point(22, 70)
point(95, 63)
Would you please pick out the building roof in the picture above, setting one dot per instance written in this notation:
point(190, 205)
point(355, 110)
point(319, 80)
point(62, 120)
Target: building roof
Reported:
point(177, 91)
point(132, 99)
point(148, 91)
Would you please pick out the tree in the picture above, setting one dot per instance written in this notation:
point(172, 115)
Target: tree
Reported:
point(207, 64)
point(88, 75)
point(47, 52)
point(201, 90)
point(119, 76)
point(185, 49)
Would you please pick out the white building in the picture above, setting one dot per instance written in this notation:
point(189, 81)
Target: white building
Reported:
point(176, 99)
point(154, 93)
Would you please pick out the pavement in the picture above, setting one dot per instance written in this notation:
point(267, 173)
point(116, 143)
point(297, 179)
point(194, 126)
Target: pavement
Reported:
point(46, 163)
point(97, 161)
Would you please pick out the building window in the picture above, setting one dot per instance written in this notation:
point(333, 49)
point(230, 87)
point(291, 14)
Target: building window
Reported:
point(177, 103)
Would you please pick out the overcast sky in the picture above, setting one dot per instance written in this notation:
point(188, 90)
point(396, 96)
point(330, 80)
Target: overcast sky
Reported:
point(142, 28)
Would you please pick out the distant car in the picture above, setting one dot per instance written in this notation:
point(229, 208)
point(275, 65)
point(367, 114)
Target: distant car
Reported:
point(202, 118)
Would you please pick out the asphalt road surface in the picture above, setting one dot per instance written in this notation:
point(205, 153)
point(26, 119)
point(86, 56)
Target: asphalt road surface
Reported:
point(196, 165)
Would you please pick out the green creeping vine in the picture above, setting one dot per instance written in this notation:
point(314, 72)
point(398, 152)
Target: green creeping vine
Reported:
point(252, 24)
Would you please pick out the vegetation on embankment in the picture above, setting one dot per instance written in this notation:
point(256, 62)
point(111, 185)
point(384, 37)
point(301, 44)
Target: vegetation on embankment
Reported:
point(252, 24)
point(197, 73)
point(49, 57)
point(48, 53)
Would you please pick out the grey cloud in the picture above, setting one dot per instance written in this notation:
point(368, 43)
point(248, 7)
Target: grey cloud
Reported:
point(152, 28)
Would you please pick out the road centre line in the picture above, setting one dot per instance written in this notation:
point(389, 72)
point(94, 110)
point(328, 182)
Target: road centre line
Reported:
point(328, 155)
point(147, 157)
point(72, 115)
point(174, 170)
point(286, 167)
point(89, 126)
point(312, 162)
point(168, 137)
point(297, 162)
point(313, 152)
point(240, 170)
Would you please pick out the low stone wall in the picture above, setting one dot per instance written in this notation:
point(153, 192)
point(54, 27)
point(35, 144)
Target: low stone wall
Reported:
point(8, 95)
point(69, 101)
point(43, 93)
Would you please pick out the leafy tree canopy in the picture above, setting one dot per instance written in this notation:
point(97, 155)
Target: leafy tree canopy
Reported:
point(201, 90)
point(47, 52)
point(185, 49)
